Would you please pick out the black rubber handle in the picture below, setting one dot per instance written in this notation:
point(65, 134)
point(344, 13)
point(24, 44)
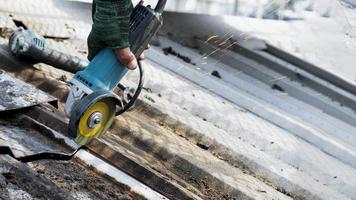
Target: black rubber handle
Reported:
point(160, 6)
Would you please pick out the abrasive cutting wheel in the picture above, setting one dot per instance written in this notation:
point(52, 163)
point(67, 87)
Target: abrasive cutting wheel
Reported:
point(92, 116)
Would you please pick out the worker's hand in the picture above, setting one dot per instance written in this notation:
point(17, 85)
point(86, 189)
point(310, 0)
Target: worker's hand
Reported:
point(127, 58)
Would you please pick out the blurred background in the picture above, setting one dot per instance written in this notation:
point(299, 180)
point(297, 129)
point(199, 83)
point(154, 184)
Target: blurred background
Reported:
point(270, 9)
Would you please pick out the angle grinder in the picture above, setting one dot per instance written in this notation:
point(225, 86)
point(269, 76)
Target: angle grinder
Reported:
point(91, 104)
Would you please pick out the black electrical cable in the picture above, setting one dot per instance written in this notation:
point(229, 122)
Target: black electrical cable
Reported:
point(5, 150)
point(137, 92)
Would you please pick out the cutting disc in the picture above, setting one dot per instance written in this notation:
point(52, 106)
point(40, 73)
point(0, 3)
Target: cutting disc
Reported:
point(92, 116)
